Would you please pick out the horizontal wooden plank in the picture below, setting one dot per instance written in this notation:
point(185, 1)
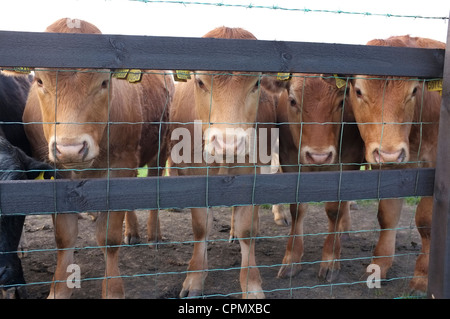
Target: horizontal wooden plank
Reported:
point(48, 196)
point(37, 49)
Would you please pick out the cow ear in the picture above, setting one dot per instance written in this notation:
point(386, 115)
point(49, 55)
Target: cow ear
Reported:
point(17, 71)
point(276, 83)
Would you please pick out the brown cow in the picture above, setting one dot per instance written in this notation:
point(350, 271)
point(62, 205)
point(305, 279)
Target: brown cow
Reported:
point(310, 113)
point(389, 112)
point(228, 105)
point(82, 103)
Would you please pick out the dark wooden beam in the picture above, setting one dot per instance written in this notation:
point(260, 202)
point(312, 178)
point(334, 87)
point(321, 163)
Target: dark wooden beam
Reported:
point(49, 196)
point(37, 49)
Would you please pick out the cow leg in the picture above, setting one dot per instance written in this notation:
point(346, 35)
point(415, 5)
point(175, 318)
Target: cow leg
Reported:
point(131, 234)
point(109, 236)
point(201, 225)
point(11, 271)
point(338, 217)
point(246, 227)
point(424, 213)
point(153, 227)
point(388, 216)
point(153, 223)
point(294, 249)
point(66, 232)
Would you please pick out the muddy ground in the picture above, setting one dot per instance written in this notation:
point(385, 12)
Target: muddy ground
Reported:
point(159, 273)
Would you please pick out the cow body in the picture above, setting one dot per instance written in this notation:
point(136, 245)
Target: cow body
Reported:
point(226, 106)
point(13, 95)
point(399, 121)
point(15, 161)
point(95, 125)
point(312, 138)
point(15, 165)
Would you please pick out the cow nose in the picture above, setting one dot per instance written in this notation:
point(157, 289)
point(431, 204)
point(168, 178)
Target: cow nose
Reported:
point(70, 152)
point(319, 158)
point(228, 145)
point(398, 156)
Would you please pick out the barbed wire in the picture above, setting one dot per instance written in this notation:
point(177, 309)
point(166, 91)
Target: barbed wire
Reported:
point(281, 8)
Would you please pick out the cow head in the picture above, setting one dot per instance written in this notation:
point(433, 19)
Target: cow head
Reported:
point(74, 106)
point(315, 108)
point(384, 107)
point(384, 110)
point(227, 103)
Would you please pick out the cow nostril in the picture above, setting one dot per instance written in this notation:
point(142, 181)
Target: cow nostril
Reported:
point(402, 156)
point(376, 155)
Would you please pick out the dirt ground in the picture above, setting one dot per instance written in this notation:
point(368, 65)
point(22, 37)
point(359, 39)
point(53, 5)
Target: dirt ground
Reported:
point(151, 273)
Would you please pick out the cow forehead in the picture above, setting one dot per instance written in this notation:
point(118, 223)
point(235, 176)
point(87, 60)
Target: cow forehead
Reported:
point(382, 86)
point(228, 78)
point(53, 77)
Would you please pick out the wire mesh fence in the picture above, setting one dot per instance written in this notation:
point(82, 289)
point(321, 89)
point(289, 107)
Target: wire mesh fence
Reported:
point(263, 143)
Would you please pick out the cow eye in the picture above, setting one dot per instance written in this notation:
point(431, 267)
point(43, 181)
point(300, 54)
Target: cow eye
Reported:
point(292, 102)
point(105, 84)
point(39, 82)
point(358, 93)
point(414, 91)
point(201, 84)
point(256, 87)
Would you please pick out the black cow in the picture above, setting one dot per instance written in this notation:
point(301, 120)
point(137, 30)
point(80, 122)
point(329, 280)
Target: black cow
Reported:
point(15, 161)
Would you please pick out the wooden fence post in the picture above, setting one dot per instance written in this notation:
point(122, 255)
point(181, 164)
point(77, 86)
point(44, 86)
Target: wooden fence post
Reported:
point(439, 265)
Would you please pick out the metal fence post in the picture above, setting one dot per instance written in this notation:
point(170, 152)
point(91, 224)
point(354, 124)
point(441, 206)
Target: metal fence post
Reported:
point(439, 264)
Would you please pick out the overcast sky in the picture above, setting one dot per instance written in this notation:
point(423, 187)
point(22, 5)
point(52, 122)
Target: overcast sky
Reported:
point(191, 20)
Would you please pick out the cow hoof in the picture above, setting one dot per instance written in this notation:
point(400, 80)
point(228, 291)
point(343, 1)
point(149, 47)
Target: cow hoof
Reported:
point(282, 222)
point(287, 271)
point(254, 295)
point(330, 275)
point(418, 286)
point(190, 293)
point(131, 240)
point(15, 293)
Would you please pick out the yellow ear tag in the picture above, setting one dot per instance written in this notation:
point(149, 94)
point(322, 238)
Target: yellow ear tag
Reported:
point(21, 69)
point(339, 82)
point(120, 73)
point(284, 76)
point(182, 75)
point(435, 85)
point(41, 176)
point(134, 75)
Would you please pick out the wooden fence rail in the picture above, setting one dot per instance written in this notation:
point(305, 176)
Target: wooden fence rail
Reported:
point(50, 50)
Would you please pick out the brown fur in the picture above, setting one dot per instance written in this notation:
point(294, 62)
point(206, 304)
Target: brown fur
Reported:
point(308, 101)
point(82, 96)
point(234, 100)
point(398, 102)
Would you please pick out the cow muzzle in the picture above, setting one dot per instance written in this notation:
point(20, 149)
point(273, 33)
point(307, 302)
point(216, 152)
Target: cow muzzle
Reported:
point(315, 156)
point(231, 143)
point(73, 153)
point(379, 155)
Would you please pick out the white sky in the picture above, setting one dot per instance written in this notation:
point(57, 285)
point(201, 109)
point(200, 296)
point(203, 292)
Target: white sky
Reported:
point(190, 20)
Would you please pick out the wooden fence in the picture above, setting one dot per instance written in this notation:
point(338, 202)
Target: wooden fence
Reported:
point(42, 50)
